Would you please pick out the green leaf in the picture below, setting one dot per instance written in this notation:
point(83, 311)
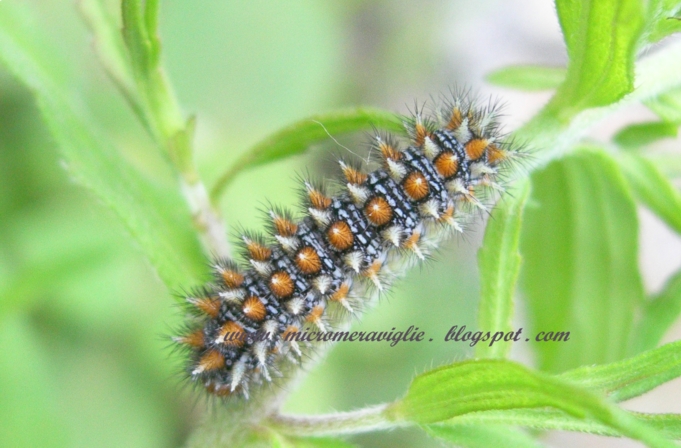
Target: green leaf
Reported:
point(641, 134)
point(653, 189)
point(482, 385)
point(479, 436)
point(601, 39)
point(499, 264)
point(527, 77)
point(155, 217)
point(668, 425)
point(669, 164)
point(663, 19)
point(142, 43)
point(158, 99)
point(579, 244)
point(659, 314)
point(631, 377)
point(667, 106)
point(299, 136)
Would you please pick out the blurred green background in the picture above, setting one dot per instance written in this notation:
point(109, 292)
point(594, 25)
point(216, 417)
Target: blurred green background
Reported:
point(84, 320)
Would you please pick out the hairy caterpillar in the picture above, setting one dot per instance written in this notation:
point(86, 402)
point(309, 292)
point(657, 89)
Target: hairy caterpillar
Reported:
point(347, 248)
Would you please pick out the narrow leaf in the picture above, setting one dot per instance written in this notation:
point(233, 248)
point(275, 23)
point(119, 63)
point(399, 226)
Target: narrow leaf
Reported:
point(601, 38)
point(653, 189)
point(479, 436)
point(642, 134)
point(668, 425)
point(144, 50)
point(155, 217)
point(482, 385)
point(667, 106)
point(499, 263)
point(299, 136)
point(631, 377)
point(663, 19)
point(580, 249)
point(136, 36)
point(527, 77)
point(659, 314)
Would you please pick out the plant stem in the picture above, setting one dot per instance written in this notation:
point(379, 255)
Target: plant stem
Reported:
point(205, 218)
point(655, 75)
point(363, 420)
point(156, 104)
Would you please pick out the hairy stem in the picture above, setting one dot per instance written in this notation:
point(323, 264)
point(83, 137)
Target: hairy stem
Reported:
point(354, 422)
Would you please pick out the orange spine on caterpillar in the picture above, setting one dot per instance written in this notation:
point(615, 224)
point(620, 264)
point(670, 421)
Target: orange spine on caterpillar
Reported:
point(347, 248)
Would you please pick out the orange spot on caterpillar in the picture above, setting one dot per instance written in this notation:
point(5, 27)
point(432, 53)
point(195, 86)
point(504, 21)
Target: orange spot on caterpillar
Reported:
point(373, 270)
point(218, 391)
point(284, 227)
point(194, 339)
point(470, 197)
point(257, 251)
point(211, 360)
point(290, 330)
point(448, 214)
point(495, 154)
point(207, 305)
point(416, 186)
point(378, 211)
point(340, 236)
point(281, 284)
point(455, 119)
point(254, 309)
point(412, 241)
point(372, 273)
point(318, 200)
point(389, 151)
point(231, 278)
point(315, 315)
point(342, 293)
point(476, 148)
point(308, 261)
point(231, 333)
point(420, 134)
point(446, 164)
point(353, 176)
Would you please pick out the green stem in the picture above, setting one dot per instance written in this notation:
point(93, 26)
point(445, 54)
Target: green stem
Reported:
point(550, 137)
point(162, 116)
point(363, 420)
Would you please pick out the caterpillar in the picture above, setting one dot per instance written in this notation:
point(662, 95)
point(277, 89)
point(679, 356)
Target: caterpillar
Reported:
point(347, 248)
